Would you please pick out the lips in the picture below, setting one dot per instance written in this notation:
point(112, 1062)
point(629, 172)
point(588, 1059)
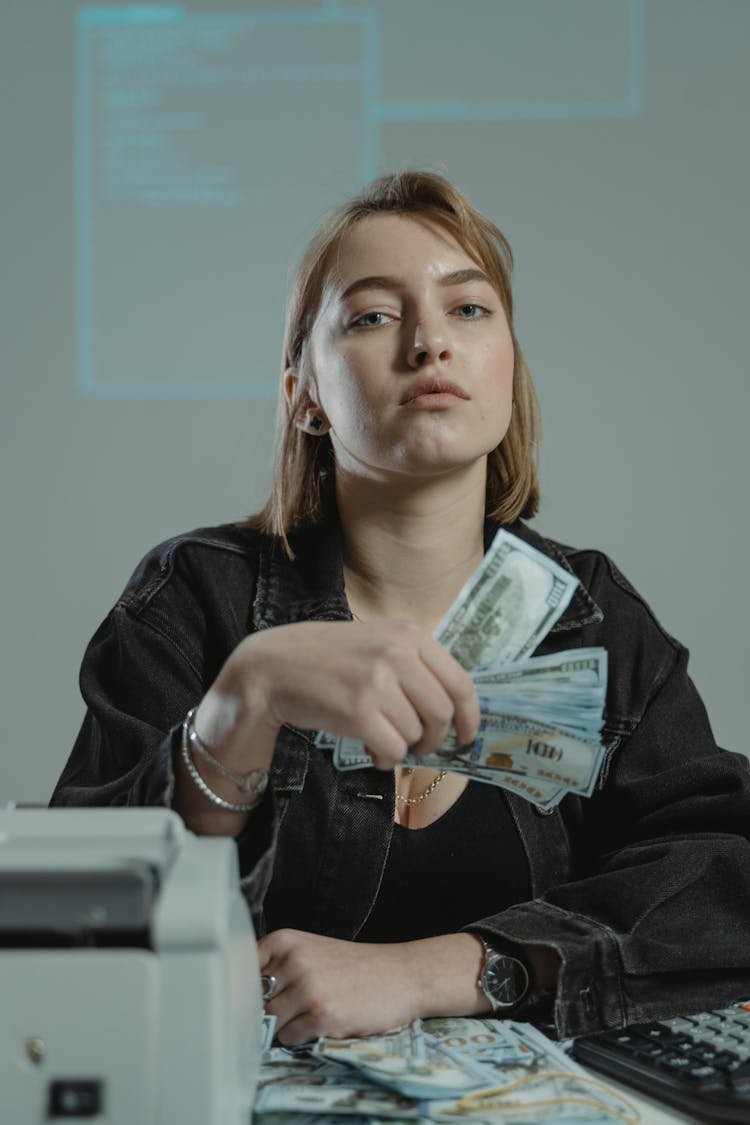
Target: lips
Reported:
point(433, 387)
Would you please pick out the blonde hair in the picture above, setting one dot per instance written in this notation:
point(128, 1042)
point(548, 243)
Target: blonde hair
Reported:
point(302, 492)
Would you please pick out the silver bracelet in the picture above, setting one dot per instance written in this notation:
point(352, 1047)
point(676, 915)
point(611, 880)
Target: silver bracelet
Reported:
point(250, 784)
point(206, 790)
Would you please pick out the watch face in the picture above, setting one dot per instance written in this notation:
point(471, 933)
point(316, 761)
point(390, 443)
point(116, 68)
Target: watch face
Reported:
point(504, 981)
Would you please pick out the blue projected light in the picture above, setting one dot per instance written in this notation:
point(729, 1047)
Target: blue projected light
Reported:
point(210, 144)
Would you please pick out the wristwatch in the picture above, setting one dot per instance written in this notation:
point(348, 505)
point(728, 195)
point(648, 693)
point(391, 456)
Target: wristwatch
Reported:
point(504, 979)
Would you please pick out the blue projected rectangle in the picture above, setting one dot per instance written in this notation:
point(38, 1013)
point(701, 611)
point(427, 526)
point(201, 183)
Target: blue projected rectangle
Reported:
point(209, 147)
point(211, 144)
point(509, 60)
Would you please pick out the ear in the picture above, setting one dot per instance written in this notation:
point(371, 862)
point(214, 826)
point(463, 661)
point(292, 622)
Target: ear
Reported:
point(313, 421)
point(291, 383)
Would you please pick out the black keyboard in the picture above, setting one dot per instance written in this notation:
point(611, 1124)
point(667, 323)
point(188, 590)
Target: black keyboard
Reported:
point(698, 1063)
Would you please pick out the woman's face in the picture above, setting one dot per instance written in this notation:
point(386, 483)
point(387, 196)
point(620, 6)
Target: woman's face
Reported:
point(411, 353)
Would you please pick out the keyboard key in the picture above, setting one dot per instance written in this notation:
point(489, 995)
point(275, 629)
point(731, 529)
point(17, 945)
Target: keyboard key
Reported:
point(676, 1062)
point(650, 1051)
point(681, 1024)
point(703, 1053)
point(741, 1074)
point(702, 1074)
point(624, 1039)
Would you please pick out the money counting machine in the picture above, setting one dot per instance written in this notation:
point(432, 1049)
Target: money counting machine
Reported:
point(129, 985)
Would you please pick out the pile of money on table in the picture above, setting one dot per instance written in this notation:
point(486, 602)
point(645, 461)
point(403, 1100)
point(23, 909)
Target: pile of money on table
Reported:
point(541, 716)
point(435, 1070)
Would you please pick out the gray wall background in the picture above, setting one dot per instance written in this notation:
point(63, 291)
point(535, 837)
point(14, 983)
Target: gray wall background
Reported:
point(607, 138)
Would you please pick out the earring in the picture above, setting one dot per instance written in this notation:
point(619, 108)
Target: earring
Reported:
point(312, 422)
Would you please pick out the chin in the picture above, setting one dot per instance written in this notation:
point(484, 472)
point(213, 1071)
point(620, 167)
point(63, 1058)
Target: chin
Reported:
point(437, 464)
point(444, 453)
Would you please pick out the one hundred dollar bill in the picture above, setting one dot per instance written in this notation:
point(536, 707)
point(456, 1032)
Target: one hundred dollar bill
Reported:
point(488, 1040)
point(508, 605)
point(358, 1096)
point(509, 744)
point(350, 754)
point(553, 1088)
point(268, 1028)
point(574, 669)
point(407, 1060)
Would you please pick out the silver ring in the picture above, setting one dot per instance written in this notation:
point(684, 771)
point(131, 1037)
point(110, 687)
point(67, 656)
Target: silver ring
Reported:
point(268, 985)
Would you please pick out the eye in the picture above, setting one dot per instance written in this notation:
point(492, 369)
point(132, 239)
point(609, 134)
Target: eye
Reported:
point(372, 319)
point(471, 311)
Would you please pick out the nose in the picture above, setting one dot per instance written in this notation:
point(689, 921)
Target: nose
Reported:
point(429, 345)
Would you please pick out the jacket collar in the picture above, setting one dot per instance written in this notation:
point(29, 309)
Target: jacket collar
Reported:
point(311, 587)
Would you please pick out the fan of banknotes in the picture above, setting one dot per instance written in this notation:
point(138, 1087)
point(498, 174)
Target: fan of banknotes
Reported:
point(435, 1070)
point(541, 716)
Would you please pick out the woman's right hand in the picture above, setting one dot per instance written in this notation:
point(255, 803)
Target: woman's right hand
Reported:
point(388, 683)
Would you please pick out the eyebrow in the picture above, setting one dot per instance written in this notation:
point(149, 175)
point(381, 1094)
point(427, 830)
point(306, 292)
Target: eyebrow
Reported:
point(383, 281)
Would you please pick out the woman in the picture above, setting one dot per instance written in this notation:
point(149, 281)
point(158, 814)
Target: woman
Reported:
point(408, 430)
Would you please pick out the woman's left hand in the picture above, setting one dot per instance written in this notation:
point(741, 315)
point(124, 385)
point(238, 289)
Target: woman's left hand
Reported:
point(328, 987)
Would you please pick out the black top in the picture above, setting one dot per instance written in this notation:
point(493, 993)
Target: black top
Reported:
point(441, 878)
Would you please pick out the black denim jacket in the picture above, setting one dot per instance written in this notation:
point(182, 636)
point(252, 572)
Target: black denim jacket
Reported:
point(643, 889)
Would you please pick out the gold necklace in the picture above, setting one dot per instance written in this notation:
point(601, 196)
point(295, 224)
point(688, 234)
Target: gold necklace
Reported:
point(426, 793)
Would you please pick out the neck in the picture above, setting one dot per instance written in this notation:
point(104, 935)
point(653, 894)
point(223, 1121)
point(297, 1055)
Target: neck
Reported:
point(408, 551)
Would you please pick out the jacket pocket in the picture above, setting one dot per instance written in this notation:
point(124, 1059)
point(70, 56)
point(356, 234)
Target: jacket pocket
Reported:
point(614, 733)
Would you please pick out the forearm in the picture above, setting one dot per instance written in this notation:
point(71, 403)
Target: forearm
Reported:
point(443, 972)
point(328, 986)
point(446, 971)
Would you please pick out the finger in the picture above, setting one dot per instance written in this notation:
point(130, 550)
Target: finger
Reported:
point(275, 956)
point(294, 1021)
point(302, 1029)
point(386, 742)
point(421, 688)
point(265, 952)
point(433, 705)
point(410, 694)
point(383, 713)
point(459, 686)
point(467, 716)
point(304, 1013)
point(385, 720)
